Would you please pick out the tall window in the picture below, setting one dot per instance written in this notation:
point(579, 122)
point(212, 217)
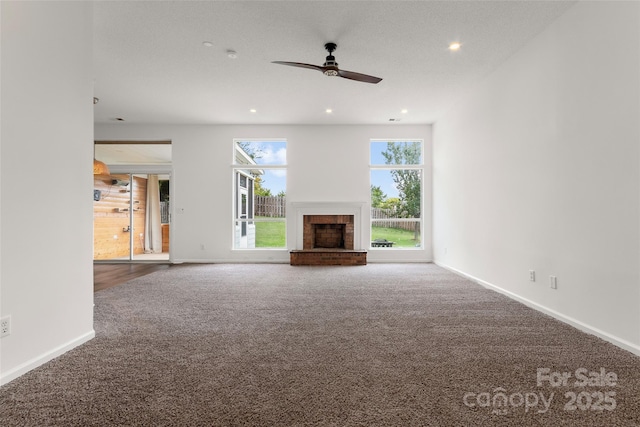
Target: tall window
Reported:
point(259, 176)
point(396, 194)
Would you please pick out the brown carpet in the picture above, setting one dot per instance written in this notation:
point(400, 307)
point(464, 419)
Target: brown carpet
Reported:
point(276, 345)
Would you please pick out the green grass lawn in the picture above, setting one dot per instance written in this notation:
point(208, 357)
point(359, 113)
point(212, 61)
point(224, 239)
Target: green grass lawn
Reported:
point(272, 235)
point(401, 238)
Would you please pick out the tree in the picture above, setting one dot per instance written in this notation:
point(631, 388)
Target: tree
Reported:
point(377, 196)
point(391, 204)
point(164, 190)
point(258, 189)
point(252, 150)
point(407, 181)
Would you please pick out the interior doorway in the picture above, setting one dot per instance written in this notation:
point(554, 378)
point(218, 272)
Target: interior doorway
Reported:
point(131, 211)
point(131, 217)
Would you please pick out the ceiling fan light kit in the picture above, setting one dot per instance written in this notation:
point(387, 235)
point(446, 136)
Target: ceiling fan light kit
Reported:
point(330, 67)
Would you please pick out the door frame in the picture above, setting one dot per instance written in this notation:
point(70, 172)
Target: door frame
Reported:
point(145, 170)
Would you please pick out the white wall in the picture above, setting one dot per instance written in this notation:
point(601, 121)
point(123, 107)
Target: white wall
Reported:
point(538, 169)
point(46, 275)
point(325, 164)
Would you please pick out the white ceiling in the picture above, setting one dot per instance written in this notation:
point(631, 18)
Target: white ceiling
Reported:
point(151, 65)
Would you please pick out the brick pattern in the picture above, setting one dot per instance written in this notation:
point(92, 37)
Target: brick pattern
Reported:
point(328, 240)
point(321, 231)
point(329, 236)
point(328, 257)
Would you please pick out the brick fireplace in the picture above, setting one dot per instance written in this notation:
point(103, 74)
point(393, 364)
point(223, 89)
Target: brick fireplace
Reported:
point(327, 232)
point(328, 238)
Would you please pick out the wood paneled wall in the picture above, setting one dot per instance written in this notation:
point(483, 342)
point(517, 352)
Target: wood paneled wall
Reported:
point(111, 217)
point(165, 237)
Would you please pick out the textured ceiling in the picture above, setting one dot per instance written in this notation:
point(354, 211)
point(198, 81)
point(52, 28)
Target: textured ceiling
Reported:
point(151, 66)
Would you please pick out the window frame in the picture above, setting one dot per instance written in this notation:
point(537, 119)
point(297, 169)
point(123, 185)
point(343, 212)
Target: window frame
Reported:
point(420, 167)
point(242, 169)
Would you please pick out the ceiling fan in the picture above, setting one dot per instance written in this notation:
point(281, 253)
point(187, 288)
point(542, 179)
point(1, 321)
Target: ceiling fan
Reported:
point(330, 67)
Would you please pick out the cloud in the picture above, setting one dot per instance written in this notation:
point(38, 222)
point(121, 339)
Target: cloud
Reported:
point(269, 156)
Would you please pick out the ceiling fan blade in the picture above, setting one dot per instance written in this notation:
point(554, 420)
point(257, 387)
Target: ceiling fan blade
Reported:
point(358, 76)
point(300, 64)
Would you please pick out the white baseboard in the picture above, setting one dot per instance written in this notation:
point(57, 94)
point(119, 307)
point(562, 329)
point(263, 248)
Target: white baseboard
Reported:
point(286, 261)
point(231, 261)
point(19, 370)
point(395, 261)
point(622, 343)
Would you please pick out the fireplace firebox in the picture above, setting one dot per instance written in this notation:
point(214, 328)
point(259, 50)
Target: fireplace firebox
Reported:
point(327, 232)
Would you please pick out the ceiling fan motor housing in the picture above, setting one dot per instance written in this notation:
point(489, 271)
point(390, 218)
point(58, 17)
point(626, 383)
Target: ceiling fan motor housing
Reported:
point(330, 65)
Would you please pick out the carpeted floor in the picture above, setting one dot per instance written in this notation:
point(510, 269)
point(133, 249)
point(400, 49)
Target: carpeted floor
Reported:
point(276, 345)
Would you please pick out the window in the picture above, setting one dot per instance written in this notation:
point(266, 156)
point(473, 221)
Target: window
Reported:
point(259, 213)
point(396, 194)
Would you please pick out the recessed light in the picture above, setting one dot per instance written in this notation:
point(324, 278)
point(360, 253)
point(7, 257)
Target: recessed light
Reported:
point(328, 111)
point(404, 111)
point(455, 46)
point(232, 53)
point(207, 44)
point(253, 110)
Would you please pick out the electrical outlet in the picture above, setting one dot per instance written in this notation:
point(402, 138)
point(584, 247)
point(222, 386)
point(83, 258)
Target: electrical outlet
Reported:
point(5, 326)
point(532, 275)
point(553, 282)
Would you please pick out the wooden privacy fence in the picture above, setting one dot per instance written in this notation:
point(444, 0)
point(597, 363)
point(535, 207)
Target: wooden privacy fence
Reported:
point(270, 206)
point(381, 214)
point(275, 207)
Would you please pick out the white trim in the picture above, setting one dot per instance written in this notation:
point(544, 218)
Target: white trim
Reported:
point(617, 341)
point(44, 358)
point(395, 261)
point(421, 168)
point(300, 209)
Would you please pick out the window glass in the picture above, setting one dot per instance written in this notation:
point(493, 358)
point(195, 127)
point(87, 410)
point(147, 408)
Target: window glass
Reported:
point(396, 194)
point(260, 194)
point(396, 153)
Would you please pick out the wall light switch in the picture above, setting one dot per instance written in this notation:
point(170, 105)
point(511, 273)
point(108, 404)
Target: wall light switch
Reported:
point(553, 282)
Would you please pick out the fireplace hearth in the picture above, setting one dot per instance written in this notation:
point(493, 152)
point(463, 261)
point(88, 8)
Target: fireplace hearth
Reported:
point(328, 240)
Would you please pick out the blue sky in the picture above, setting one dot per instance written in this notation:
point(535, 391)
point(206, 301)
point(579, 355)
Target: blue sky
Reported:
point(274, 180)
point(271, 153)
point(275, 153)
point(382, 178)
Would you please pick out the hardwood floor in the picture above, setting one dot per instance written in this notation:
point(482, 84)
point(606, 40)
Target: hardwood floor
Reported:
point(108, 275)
